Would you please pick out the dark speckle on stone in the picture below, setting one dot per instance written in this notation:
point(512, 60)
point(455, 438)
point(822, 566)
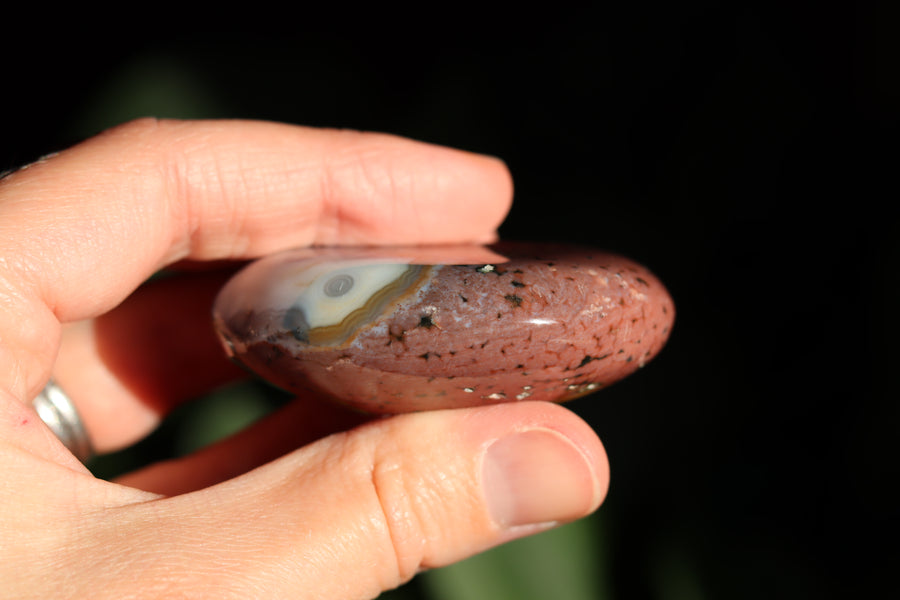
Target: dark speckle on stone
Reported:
point(588, 358)
point(517, 284)
point(513, 299)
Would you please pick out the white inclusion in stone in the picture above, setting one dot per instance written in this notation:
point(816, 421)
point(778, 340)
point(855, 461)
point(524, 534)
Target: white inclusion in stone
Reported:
point(336, 290)
point(540, 321)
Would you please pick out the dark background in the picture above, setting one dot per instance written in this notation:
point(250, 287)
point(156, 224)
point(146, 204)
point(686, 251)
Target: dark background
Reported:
point(746, 154)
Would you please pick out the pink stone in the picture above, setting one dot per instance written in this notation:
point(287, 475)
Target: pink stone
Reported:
point(532, 321)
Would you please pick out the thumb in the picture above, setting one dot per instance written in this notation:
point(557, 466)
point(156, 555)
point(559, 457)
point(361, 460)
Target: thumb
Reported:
point(361, 512)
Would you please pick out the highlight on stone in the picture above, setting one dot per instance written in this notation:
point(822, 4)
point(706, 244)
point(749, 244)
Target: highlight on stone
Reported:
point(390, 330)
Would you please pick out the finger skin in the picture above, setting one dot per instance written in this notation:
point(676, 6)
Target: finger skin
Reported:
point(380, 502)
point(82, 229)
point(300, 422)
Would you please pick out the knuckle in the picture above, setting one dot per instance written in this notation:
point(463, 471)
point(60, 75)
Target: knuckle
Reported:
point(396, 494)
point(426, 500)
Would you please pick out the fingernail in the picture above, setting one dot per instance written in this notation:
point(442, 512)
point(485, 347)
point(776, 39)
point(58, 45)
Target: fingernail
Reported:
point(537, 476)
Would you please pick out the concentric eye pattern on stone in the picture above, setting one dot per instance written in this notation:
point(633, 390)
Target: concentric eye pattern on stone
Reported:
point(338, 285)
point(341, 301)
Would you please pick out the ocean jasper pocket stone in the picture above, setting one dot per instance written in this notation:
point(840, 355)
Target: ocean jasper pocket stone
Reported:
point(389, 330)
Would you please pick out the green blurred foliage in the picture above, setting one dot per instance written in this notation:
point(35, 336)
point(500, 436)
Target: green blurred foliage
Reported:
point(149, 85)
point(569, 562)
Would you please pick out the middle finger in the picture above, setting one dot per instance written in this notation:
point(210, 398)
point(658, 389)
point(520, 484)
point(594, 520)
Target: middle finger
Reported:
point(145, 357)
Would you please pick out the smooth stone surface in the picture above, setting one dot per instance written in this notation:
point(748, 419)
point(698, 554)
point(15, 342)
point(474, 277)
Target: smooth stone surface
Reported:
point(390, 330)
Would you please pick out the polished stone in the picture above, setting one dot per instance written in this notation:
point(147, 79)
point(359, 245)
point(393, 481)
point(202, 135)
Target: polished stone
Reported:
point(390, 330)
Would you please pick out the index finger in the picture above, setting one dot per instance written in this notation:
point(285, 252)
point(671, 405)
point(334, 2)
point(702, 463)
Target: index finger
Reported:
point(81, 230)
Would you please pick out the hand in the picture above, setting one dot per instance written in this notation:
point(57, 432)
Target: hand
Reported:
point(312, 502)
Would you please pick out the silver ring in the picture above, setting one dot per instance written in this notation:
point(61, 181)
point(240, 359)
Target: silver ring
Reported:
point(56, 409)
